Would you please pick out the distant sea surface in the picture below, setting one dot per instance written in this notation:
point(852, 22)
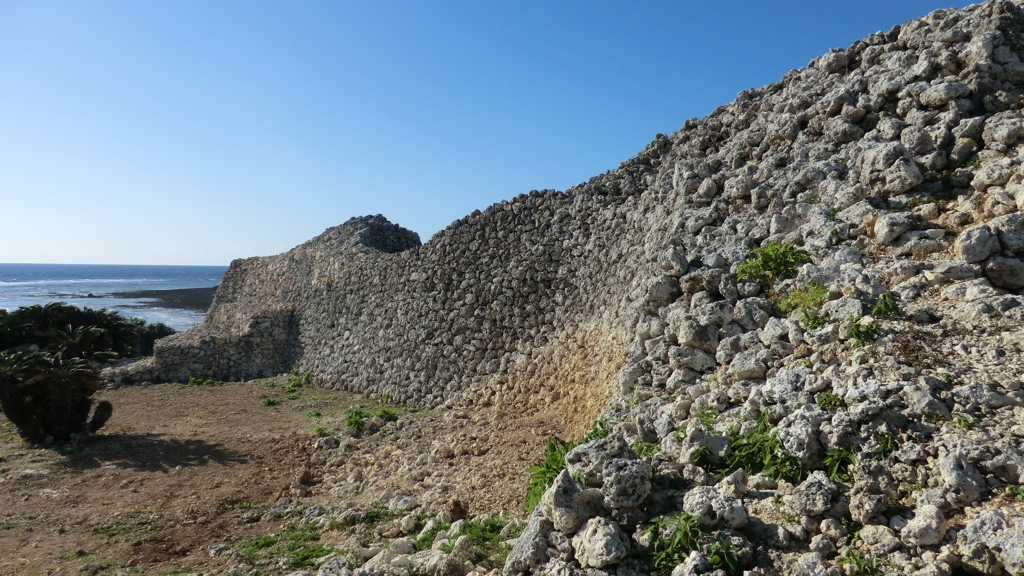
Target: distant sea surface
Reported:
point(94, 285)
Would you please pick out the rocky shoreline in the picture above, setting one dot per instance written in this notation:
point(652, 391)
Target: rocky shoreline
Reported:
point(198, 299)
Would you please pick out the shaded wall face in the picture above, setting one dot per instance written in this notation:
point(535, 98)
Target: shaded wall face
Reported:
point(546, 276)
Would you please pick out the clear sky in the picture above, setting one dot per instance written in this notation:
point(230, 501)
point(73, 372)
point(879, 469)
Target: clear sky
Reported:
point(196, 132)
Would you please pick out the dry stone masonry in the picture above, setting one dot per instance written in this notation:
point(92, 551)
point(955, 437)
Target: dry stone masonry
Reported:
point(895, 164)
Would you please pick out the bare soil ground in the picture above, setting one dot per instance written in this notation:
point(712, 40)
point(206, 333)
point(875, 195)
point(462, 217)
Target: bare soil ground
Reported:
point(179, 468)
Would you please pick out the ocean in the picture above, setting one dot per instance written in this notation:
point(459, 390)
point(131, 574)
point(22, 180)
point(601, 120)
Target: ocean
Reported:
point(94, 285)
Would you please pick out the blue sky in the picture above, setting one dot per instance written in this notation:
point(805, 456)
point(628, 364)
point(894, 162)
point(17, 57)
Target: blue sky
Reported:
point(196, 132)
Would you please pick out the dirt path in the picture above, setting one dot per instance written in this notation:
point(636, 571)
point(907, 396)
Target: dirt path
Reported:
point(175, 469)
point(179, 468)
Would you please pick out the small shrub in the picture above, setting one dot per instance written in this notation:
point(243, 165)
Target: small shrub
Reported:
point(296, 380)
point(861, 566)
point(386, 414)
point(292, 397)
point(770, 263)
point(862, 332)
point(838, 461)
point(355, 420)
point(885, 306)
point(673, 540)
point(269, 402)
point(313, 414)
point(1015, 492)
point(319, 431)
point(828, 401)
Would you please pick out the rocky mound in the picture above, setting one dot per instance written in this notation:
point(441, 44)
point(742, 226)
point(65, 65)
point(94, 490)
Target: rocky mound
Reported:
point(810, 302)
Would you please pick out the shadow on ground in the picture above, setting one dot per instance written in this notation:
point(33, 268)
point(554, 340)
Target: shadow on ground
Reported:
point(149, 452)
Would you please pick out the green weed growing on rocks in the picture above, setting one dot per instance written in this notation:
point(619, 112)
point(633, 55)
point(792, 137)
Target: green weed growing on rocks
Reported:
point(885, 306)
point(861, 566)
point(760, 450)
point(887, 444)
point(645, 449)
point(862, 331)
point(486, 535)
point(674, 538)
point(812, 299)
point(828, 400)
point(355, 420)
point(543, 473)
point(838, 461)
point(770, 263)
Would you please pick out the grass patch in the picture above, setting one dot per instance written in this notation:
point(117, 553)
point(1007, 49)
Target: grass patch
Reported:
point(319, 431)
point(193, 381)
point(1015, 492)
point(269, 402)
point(426, 539)
point(298, 543)
point(314, 414)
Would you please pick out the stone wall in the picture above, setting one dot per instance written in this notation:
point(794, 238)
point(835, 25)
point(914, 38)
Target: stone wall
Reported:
point(881, 147)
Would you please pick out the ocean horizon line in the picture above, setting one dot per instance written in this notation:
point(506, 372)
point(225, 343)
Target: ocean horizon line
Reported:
point(101, 264)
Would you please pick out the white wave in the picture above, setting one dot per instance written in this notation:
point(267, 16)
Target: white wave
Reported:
point(81, 281)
